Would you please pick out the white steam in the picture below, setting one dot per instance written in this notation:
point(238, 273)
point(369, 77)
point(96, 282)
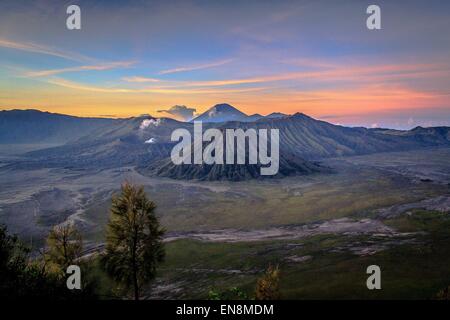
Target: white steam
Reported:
point(151, 140)
point(149, 122)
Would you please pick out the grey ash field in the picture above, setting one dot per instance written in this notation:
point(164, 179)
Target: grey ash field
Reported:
point(323, 228)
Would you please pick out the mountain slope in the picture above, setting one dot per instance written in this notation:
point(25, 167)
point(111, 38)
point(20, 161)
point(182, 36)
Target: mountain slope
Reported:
point(289, 164)
point(303, 142)
point(277, 115)
point(225, 112)
point(145, 142)
point(33, 126)
point(132, 141)
point(314, 139)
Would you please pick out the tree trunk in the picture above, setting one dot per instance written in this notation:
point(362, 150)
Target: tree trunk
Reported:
point(136, 289)
point(135, 279)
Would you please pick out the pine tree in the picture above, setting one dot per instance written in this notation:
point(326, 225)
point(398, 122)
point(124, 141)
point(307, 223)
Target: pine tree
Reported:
point(24, 277)
point(134, 244)
point(64, 246)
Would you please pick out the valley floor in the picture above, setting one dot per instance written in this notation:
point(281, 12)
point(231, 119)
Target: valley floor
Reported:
point(389, 209)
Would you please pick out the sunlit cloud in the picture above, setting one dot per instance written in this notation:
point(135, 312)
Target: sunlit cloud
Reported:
point(196, 67)
point(79, 86)
point(377, 94)
point(140, 79)
point(180, 112)
point(84, 87)
point(98, 67)
point(356, 73)
point(327, 73)
point(365, 98)
point(310, 63)
point(200, 91)
point(40, 49)
point(341, 73)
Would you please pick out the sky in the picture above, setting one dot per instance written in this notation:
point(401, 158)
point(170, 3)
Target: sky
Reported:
point(145, 57)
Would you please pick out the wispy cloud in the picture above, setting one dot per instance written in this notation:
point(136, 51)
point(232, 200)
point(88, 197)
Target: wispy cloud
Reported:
point(80, 86)
point(374, 93)
point(180, 112)
point(203, 91)
point(196, 67)
point(140, 79)
point(84, 87)
point(37, 48)
point(355, 73)
point(310, 63)
point(98, 67)
point(327, 73)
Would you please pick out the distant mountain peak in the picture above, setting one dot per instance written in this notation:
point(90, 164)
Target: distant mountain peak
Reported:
point(224, 112)
point(225, 107)
point(277, 115)
point(221, 112)
point(301, 115)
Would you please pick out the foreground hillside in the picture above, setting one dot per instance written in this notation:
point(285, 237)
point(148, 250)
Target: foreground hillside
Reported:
point(322, 229)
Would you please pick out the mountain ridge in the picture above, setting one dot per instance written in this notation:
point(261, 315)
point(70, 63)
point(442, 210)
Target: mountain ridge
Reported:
point(221, 112)
point(145, 142)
